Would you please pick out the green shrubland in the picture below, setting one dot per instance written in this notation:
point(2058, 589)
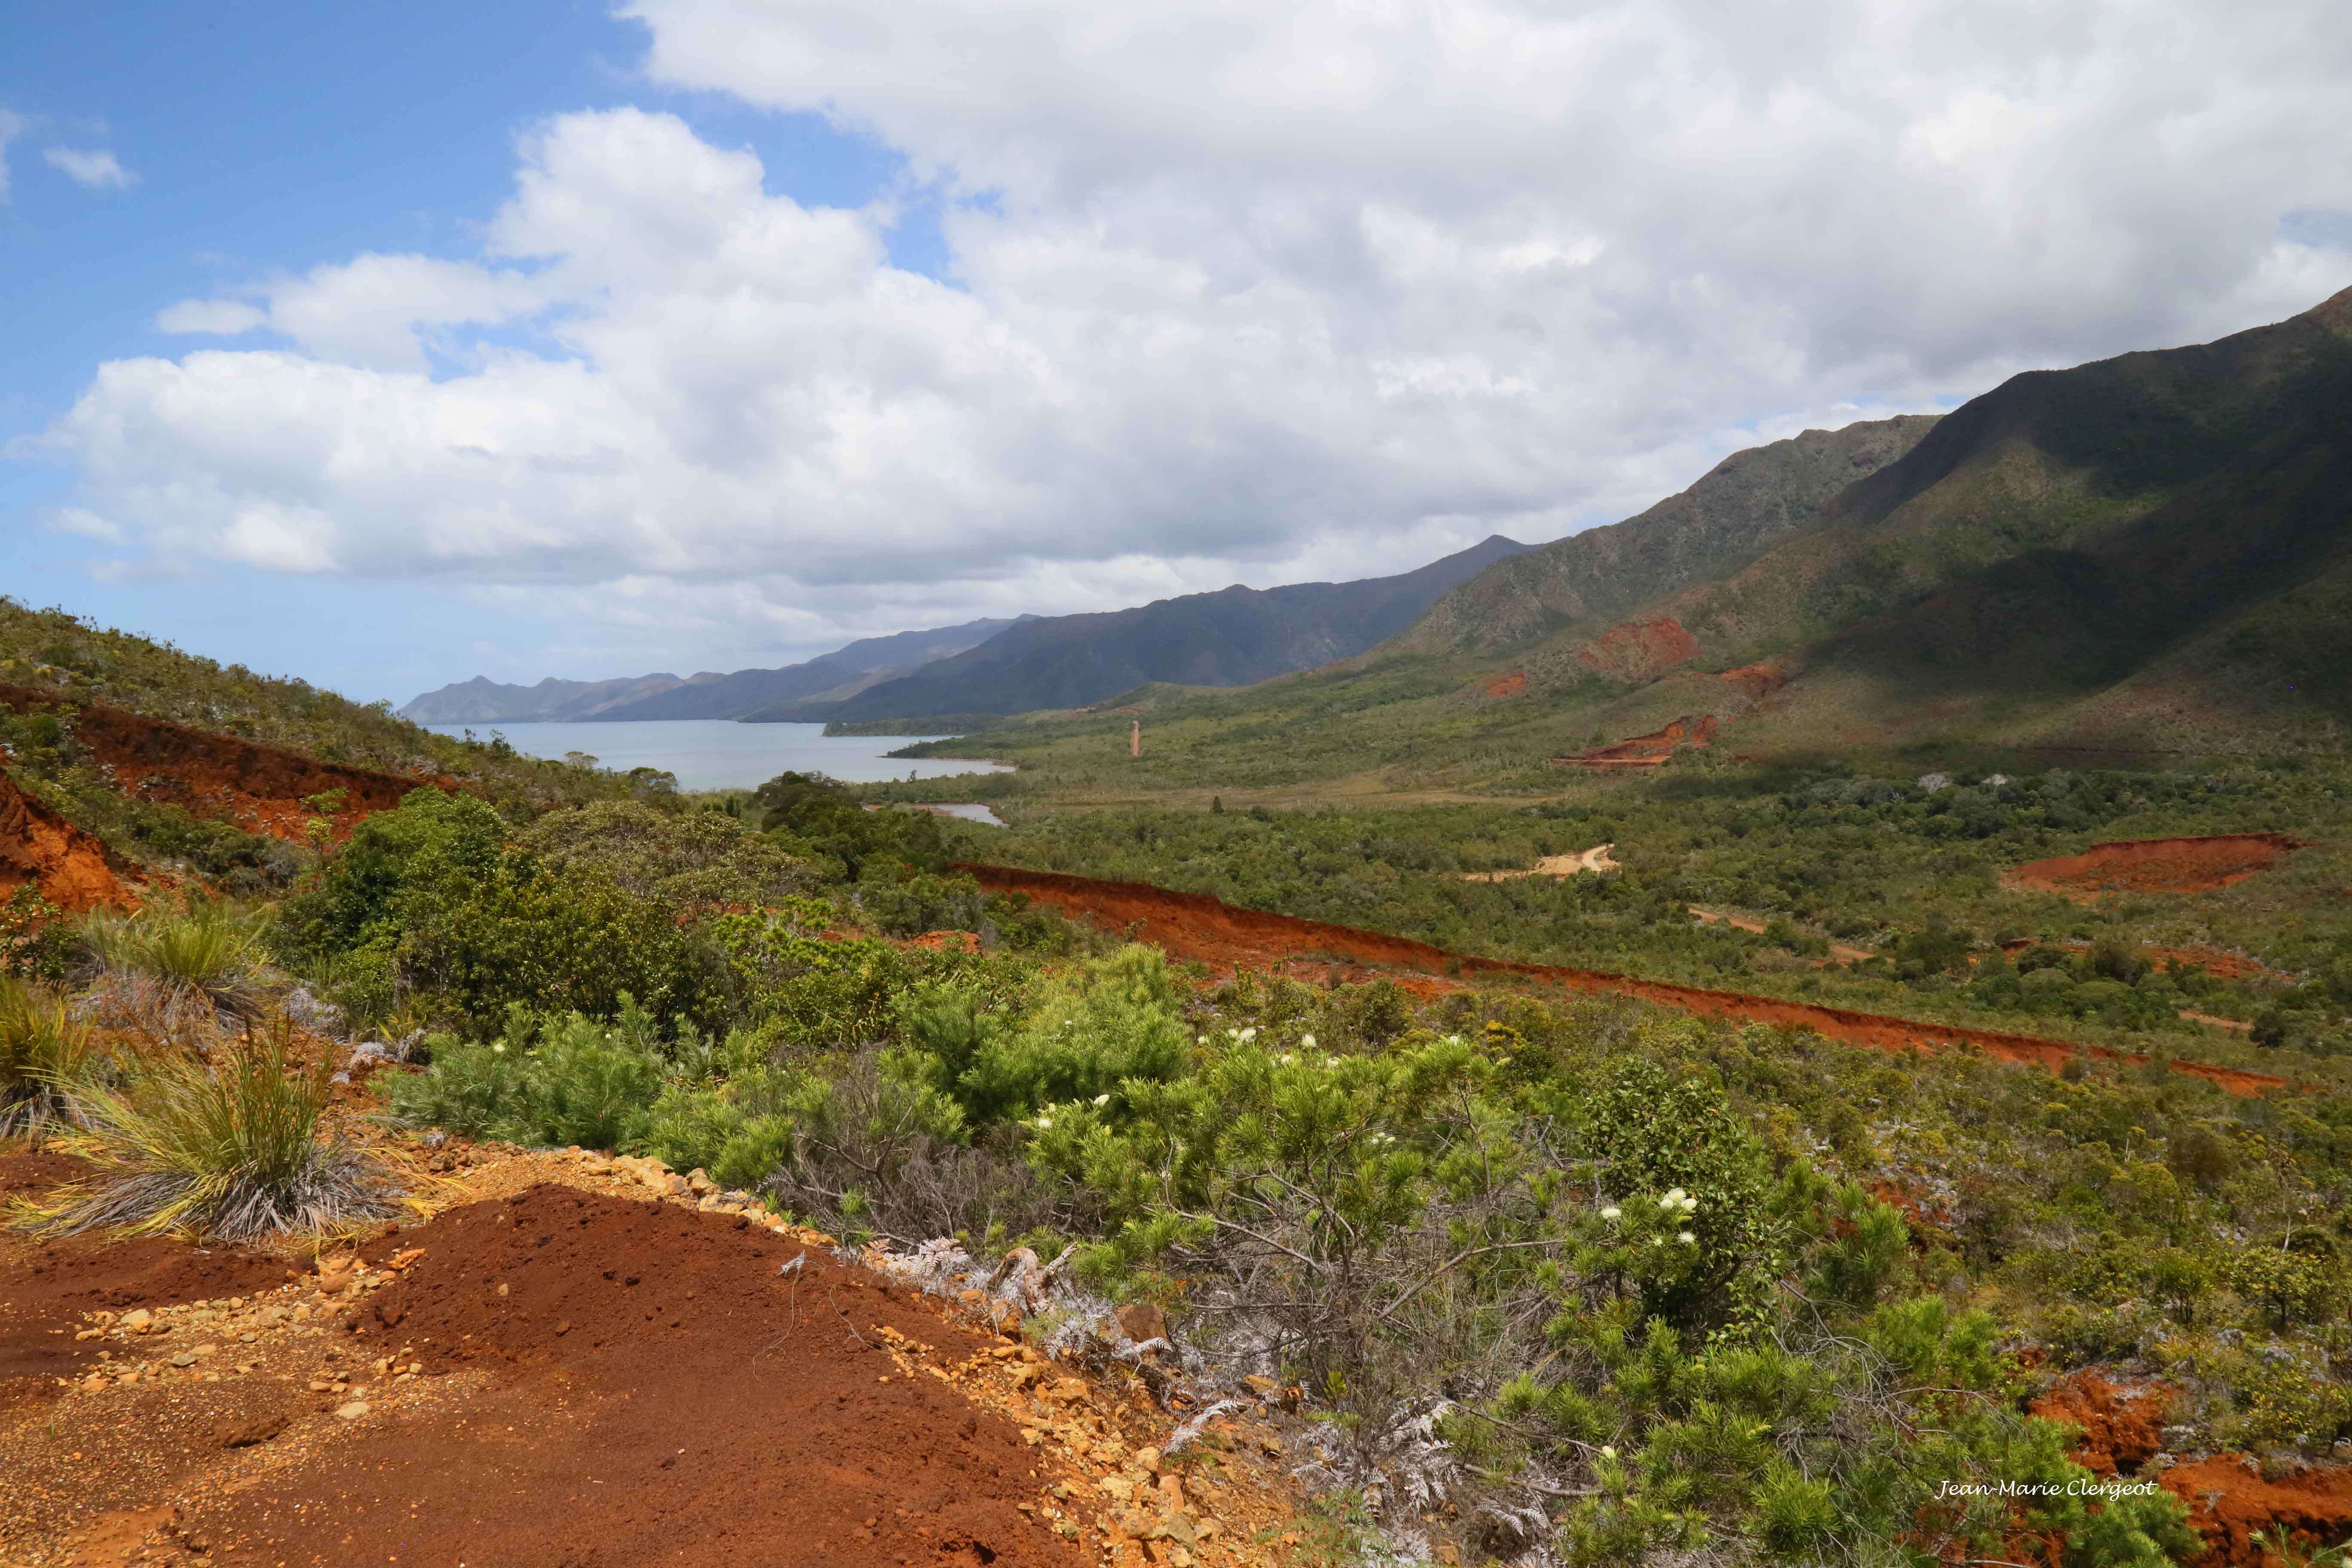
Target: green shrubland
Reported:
point(1910, 874)
point(1689, 1288)
point(1624, 1283)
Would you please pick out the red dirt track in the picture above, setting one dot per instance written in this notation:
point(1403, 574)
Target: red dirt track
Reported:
point(1194, 926)
point(656, 1392)
point(2155, 865)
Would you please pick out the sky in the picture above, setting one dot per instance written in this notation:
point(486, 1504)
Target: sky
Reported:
point(389, 346)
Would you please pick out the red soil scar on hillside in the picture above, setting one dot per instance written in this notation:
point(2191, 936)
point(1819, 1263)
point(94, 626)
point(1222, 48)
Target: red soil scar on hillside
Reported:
point(1751, 683)
point(262, 789)
point(1649, 750)
point(1194, 926)
point(1640, 649)
point(73, 871)
point(2154, 865)
point(2230, 1503)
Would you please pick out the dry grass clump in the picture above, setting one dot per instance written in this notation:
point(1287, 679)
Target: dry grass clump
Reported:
point(234, 1149)
point(206, 950)
point(48, 1059)
point(172, 977)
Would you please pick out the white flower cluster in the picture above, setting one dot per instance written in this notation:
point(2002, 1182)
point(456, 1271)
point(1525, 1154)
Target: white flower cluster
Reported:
point(1676, 1202)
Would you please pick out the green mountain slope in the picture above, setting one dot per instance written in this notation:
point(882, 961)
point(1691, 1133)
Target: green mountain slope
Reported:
point(2147, 553)
point(58, 663)
point(1747, 504)
point(1229, 638)
point(2140, 552)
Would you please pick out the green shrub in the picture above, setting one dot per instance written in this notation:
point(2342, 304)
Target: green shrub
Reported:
point(523, 934)
point(818, 816)
point(36, 940)
point(473, 924)
point(681, 860)
point(1115, 1025)
point(564, 1081)
point(897, 899)
point(824, 996)
point(1656, 1133)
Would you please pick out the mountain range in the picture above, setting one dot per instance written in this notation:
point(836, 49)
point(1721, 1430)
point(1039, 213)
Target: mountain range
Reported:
point(2145, 555)
point(708, 695)
point(1234, 636)
point(1229, 638)
point(2149, 551)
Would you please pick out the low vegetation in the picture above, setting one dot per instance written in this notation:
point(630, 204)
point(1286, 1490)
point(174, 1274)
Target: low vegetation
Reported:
point(236, 1147)
point(1625, 1284)
point(48, 1058)
point(1909, 876)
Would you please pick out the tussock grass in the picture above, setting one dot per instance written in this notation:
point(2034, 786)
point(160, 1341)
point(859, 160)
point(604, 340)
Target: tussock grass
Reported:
point(234, 1149)
point(172, 980)
point(204, 952)
point(48, 1059)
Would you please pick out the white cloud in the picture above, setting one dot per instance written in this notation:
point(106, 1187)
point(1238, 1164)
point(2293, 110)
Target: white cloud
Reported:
point(211, 318)
point(11, 127)
point(1243, 291)
point(78, 520)
point(94, 167)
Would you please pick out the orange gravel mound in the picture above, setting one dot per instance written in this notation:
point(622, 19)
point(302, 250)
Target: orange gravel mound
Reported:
point(1194, 926)
point(1512, 685)
point(47, 1287)
point(2122, 1429)
point(2155, 865)
point(657, 1392)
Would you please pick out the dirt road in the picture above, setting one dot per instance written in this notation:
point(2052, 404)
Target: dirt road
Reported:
point(1192, 925)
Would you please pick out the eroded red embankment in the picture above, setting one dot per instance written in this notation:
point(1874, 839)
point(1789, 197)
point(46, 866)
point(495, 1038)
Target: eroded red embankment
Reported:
point(1649, 750)
point(263, 789)
point(2230, 1501)
point(2156, 865)
point(1192, 925)
point(73, 871)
